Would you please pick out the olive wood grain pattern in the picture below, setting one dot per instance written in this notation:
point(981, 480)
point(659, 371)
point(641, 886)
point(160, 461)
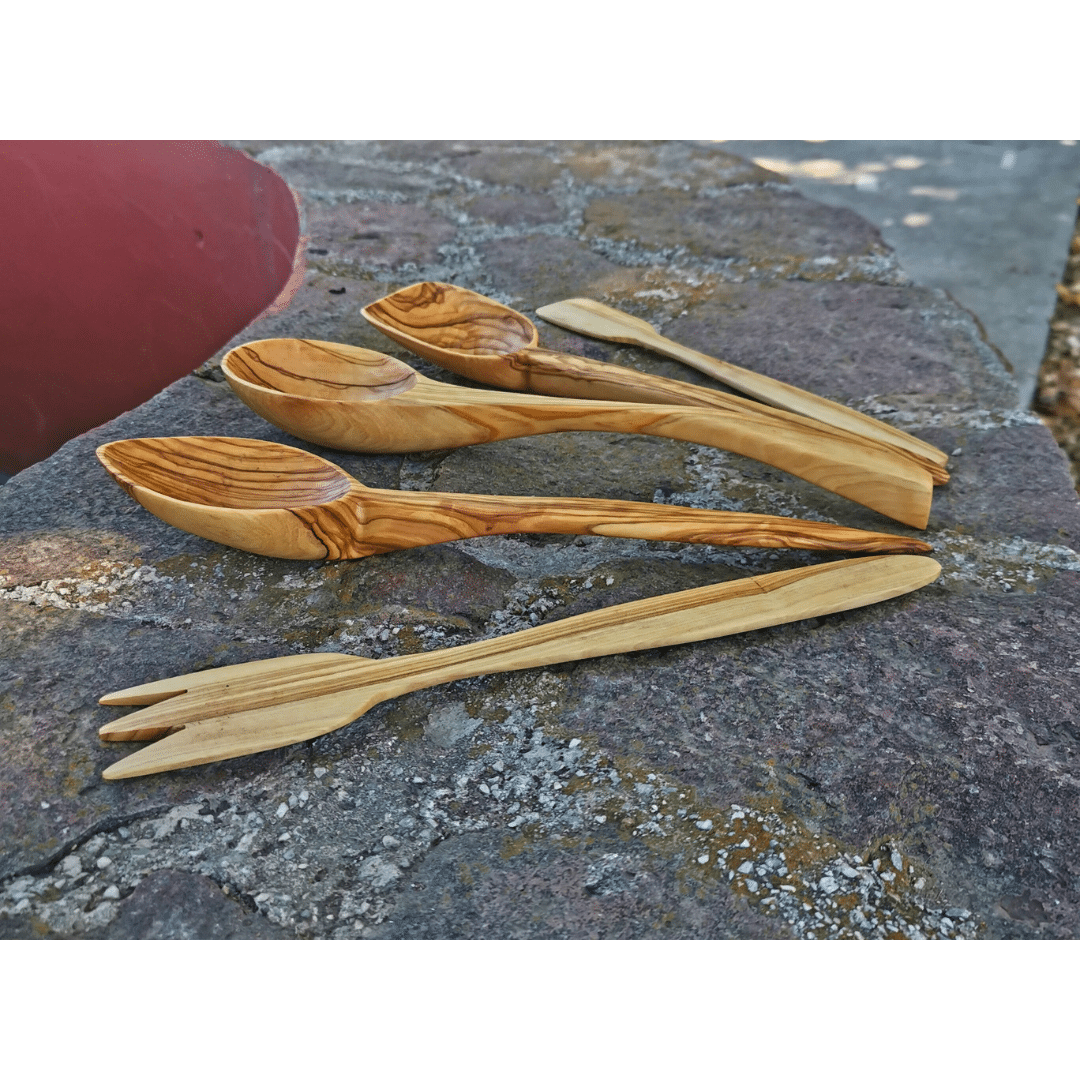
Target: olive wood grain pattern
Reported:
point(486, 341)
point(246, 708)
point(284, 502)
point(355, 399)
point(593, 319)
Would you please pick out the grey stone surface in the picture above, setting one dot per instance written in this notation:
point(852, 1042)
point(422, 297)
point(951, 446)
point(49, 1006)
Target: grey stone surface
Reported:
point(904, 770)
point(987, 220)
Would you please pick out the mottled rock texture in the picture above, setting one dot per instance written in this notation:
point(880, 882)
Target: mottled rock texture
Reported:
point(905, 770)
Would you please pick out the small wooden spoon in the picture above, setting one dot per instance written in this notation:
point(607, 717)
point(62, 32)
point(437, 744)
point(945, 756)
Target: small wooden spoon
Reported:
point(355, 399)
point(594, 319)
point(286, 503)
point(491, 343)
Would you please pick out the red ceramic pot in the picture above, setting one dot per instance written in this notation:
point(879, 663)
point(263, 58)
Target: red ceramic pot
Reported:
point(126, 265)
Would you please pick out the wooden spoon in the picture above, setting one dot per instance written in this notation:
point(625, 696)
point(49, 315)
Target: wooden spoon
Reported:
point(491, 343)
point(284, 502)
point(355, 399)
point(594, 319)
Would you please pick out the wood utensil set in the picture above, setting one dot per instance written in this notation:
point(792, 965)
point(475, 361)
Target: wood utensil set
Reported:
point(280, 501)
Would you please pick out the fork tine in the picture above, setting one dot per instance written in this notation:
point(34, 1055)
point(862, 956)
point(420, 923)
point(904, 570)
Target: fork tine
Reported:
point(157, 719)
point(152, 692)
point(240, 733)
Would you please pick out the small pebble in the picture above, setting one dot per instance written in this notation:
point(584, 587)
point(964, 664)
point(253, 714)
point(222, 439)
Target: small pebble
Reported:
point(703, 859)
point(103, 862)
point(112, 893)
point(391, 842)
point(897, 860)
point(320, 772)
point(282, 810)
point(746, 867)
point(704, 825)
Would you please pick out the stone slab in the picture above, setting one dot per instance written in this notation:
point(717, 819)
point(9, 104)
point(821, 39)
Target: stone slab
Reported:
point(906, 770)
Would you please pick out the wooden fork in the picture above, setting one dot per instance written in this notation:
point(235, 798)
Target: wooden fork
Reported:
point(242, 709)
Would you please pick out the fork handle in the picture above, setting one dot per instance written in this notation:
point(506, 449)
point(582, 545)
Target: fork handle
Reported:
point(672, 619)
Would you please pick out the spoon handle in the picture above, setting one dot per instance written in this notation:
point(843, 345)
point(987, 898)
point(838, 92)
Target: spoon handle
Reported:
point(867, 472)
point(543, 371)
point(400, 519)
point(600, 321)
point(870, 474)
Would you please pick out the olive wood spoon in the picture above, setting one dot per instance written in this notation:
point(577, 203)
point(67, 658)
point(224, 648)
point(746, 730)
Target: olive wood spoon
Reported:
point(264, 704)
point(355, 399)
point(491, 343)
point(283, 502)
point(593, 319)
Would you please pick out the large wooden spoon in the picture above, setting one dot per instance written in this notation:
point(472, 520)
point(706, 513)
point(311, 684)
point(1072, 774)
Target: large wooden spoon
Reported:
point(355, 399)
point(491, 343)
point(284, 502)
